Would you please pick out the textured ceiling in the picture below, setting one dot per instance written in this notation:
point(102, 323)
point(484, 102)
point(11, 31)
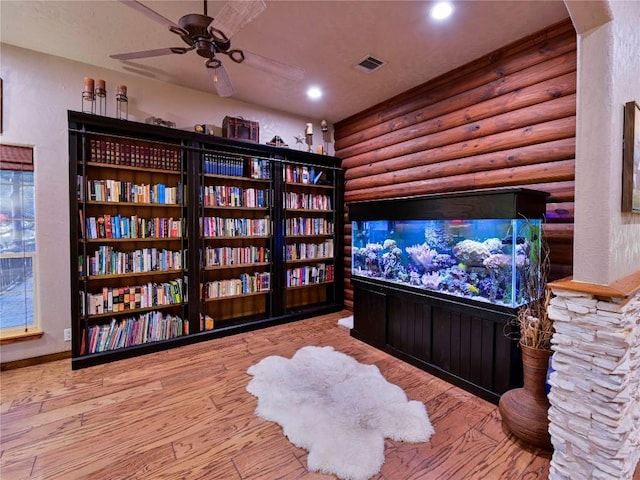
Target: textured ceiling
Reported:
point(325, 38)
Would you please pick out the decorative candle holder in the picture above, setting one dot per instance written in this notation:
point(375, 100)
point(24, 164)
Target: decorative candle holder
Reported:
point(122, 103)
point(100, 94)
point(88, 96)
point(308, 134)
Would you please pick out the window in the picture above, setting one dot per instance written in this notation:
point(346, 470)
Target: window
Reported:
point(17, 238)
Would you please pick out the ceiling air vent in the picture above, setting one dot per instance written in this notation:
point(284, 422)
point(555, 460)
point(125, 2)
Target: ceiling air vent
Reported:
point(369, 64)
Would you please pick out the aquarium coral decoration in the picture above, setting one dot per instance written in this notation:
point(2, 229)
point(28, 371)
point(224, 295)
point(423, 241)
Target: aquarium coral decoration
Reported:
point(431, 280)
point(422, 254)
point(471, 252)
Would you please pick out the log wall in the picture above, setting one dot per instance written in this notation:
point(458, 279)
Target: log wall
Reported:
point(504, 120)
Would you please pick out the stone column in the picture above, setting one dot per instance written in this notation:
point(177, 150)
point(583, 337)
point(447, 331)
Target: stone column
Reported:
point(595, 389)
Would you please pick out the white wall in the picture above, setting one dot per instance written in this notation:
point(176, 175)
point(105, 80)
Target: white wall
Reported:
point(607, 242)
point(38, 91)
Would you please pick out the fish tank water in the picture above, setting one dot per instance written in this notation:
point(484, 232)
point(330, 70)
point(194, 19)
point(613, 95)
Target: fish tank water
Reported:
point(480, 259)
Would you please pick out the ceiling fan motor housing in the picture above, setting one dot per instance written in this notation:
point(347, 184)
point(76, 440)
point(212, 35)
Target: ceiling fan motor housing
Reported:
point(198, 35)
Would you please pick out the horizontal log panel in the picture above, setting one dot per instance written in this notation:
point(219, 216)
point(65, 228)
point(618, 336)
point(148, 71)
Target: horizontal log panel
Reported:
point(516, 157)
point(506, 177)
point(558, 232)
point(559, 271)
point(522, 137)
point(561, 253)
point(483, 102)
point(435, 121)
point(556, 109)
point(559, 191)
point(560, 212)
point(348, 305)
point(349, 295)
point(464, 78)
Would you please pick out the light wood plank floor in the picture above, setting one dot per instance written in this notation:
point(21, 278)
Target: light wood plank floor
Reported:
point(185, 414)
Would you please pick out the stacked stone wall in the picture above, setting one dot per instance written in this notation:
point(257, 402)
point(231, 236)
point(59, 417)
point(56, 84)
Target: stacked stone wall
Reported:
point(595, 389)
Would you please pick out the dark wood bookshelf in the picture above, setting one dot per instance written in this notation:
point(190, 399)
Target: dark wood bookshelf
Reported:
point(134, 154)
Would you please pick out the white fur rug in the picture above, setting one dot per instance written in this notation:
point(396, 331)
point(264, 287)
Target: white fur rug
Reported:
point(346, 322)
point(337, 409)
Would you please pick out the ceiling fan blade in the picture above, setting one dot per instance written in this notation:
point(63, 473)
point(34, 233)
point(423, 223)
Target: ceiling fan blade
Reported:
point(272, 66)
point(150, 53)
point(236, 14)
point(152, 14)
point(221, 81)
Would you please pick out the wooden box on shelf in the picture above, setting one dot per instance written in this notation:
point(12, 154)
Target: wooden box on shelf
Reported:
point(241, 129)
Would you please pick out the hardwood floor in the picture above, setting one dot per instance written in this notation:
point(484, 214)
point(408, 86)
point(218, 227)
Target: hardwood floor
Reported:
point(185, 413)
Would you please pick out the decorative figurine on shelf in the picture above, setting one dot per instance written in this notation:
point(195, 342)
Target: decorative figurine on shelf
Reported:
point(308, 133)
point(299, 139)
point(324, 126)
point(278, 142)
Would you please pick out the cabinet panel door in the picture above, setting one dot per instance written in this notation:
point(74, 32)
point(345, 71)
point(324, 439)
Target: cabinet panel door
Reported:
point(370, 316)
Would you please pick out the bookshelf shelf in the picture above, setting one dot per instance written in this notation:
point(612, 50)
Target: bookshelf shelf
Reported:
point(135, 204)
point(230, 297)
point(309, 210)
point(133, 168)
point(236, 265)
point(146, 239)
point(234, 179)
point(238, 237)
point(309, 185)
point(130, 275)
point(309, 285)
point(310, 260)
point(249, 209)
point(134, 310)
point(223, 229)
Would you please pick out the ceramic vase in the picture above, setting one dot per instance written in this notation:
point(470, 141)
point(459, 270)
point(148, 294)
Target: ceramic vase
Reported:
point(524, 410)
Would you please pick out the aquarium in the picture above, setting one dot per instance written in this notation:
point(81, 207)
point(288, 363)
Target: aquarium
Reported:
point(486, 260)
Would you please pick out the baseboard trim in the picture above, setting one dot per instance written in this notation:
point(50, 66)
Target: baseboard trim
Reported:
point(27, 362)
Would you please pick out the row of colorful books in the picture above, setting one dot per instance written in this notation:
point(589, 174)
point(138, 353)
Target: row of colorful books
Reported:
point(107, 190)
point(302, 174)
point(235, 227)
point(120, 226)
point(308, 226)
point(106, 260)
point(307, 201)
point(246, 283)
point(305, 251)
point(120, 299)
point(309, 275)
point(235, 255)
point(127, 332)
point(229, 196)
point(134, 155)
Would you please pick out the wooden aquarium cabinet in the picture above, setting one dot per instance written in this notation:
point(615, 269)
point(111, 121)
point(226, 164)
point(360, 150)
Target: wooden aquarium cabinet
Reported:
point(464, 339)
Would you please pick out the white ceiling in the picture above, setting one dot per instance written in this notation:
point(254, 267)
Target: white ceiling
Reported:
point(325, 38)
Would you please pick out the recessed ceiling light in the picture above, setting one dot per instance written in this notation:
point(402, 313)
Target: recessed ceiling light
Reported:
point(441, 10)
point(314, 93)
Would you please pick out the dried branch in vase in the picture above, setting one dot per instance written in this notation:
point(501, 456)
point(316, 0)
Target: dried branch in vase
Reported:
point(536, 328)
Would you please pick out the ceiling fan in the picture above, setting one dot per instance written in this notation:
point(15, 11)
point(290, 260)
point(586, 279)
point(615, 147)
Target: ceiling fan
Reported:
point(211, 37)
